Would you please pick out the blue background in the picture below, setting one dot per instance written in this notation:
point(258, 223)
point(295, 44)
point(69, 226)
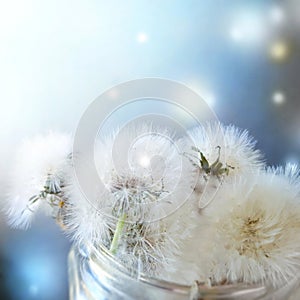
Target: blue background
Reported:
point(56, 57)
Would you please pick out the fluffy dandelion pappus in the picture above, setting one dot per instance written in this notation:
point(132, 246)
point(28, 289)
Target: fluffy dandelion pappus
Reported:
point(118, 161)
point(133, 203)
point(39, 176)
point(151, 247)
point(88, 222)
point(254, 232)
point(220, 154)
point(142, 224)
point(228, 145)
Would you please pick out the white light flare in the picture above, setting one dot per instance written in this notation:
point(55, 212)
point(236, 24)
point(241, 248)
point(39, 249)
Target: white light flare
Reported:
point(144, 161)
point(142, 38)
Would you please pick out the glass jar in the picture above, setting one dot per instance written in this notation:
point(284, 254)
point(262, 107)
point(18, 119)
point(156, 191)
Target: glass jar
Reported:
point(96, 275)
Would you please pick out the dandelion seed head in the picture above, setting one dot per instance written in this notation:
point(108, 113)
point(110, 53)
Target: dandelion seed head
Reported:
point(138, 166)
point(40, 165)
point(237, 148)
point(88, 222)
point(185, 269)
point(142, 150)
point(134, 196)
point(219, 155)
point(142, 164)
point(155, 245)
point(254, 235)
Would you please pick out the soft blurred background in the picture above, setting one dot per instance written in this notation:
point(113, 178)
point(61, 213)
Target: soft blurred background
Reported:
point(243, 57)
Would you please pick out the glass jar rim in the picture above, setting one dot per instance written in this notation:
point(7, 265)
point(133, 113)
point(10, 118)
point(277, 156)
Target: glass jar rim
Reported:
point(101, 253)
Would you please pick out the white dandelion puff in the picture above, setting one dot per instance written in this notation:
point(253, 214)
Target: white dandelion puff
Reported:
point(184, 269)
point(219, 154)
point(254, 231)
point(141, 231)
point(88, 220)
point(39, 176)
point(143, 150)
point(232, 146)
point(153, 247)
point(146, 239)
point(139, 167)
point(290, 173)
point(142, 165)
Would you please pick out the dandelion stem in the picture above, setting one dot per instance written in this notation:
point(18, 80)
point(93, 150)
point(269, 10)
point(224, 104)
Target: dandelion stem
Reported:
point(117, 235)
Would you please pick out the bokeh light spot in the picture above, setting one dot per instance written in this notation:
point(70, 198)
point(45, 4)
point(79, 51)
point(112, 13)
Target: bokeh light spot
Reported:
point(248, 27)
point(278, 97)
point(277, 15)
point(279, 51)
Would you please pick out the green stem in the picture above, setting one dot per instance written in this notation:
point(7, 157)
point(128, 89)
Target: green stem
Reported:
point(117, 235)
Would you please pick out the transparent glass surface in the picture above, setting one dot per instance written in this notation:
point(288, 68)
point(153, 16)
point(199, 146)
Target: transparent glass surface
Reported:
point(96, 275)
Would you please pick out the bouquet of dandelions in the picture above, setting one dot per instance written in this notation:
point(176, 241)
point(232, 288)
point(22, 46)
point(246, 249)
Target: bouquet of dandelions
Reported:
point(211, 212)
